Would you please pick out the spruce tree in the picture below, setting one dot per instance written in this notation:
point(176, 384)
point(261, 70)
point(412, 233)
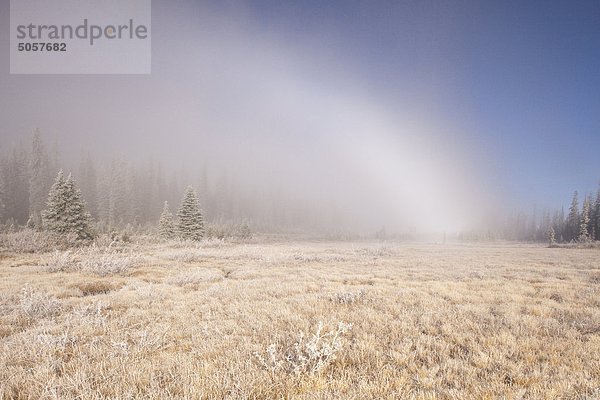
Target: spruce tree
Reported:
point(16, 186)
point(31, 222)
point(596, 218)
point(558, 223)
point(103, 198)
point(39, 178)
point(53, 215)
point(583, 234)
point(89, 184)
point(118, 212)
point(166, 224)
point(2, 198)
point(572, 226)
point(65, 211)
point(550, 236)
point(191, 224)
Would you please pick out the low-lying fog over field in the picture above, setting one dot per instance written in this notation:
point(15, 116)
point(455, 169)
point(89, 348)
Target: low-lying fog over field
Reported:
point(300, 200)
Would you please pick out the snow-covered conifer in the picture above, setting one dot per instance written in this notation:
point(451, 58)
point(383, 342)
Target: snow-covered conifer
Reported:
point(65, 211)
point(166, 224)
point(583, 234)
point(191, 223)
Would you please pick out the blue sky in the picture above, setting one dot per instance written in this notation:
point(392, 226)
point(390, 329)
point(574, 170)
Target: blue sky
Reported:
point(523, 78)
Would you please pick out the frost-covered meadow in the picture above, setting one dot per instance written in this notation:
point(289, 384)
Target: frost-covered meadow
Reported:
point(280, 318)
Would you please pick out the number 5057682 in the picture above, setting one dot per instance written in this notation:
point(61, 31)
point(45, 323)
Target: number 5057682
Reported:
point(42, 47)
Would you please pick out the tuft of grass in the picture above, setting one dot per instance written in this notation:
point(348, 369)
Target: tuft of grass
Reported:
point(348, 297)
point(95, 287)
point(36, 304)
point(184, 255)
point(194, 278)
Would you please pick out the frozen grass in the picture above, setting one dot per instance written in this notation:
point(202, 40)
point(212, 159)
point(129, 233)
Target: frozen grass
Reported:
point(197, 277)
point(31, 241)
point(97, 260)
point(36, 305)
point(428, 322)
point(348, 297)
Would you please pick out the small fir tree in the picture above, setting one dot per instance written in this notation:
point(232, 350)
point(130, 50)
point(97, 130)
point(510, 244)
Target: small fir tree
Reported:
point(191, 223)
point(572, 226)
point(245, 232)
point(31, 222)
point(65, 211)
point(166, 224)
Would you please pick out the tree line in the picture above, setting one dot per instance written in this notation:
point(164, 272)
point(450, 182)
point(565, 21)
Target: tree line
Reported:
point(580, 223)
point(119, 193)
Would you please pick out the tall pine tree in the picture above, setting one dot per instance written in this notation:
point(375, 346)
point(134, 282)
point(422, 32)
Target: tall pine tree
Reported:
point(572, 225)
point(595, 218)
point(89, 184)
point(118, 212)
point(16, 181)
point(583, 234)
point(2, 199)
point(191, 223)
point(40, 178)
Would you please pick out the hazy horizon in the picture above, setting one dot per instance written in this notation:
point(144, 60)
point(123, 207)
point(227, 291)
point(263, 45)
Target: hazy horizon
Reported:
point(433, 116)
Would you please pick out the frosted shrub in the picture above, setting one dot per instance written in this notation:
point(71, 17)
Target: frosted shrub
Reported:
point(309, 355)
point(213, 243)
point(379, 251)
point(93, 314)
point(305, 258)
point(185, 255)
point(31, 241)
point(61, 261)
point(97, 260)
point(244, 232)
point(106, 261)
point(35, 305)
point(348, 297)
point(219, 231)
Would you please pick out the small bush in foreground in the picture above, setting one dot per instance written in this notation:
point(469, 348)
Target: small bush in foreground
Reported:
point(308, 355)
point(61, 261)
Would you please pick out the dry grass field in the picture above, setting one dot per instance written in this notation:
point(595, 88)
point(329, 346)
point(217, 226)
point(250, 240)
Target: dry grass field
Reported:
point(301, 320)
